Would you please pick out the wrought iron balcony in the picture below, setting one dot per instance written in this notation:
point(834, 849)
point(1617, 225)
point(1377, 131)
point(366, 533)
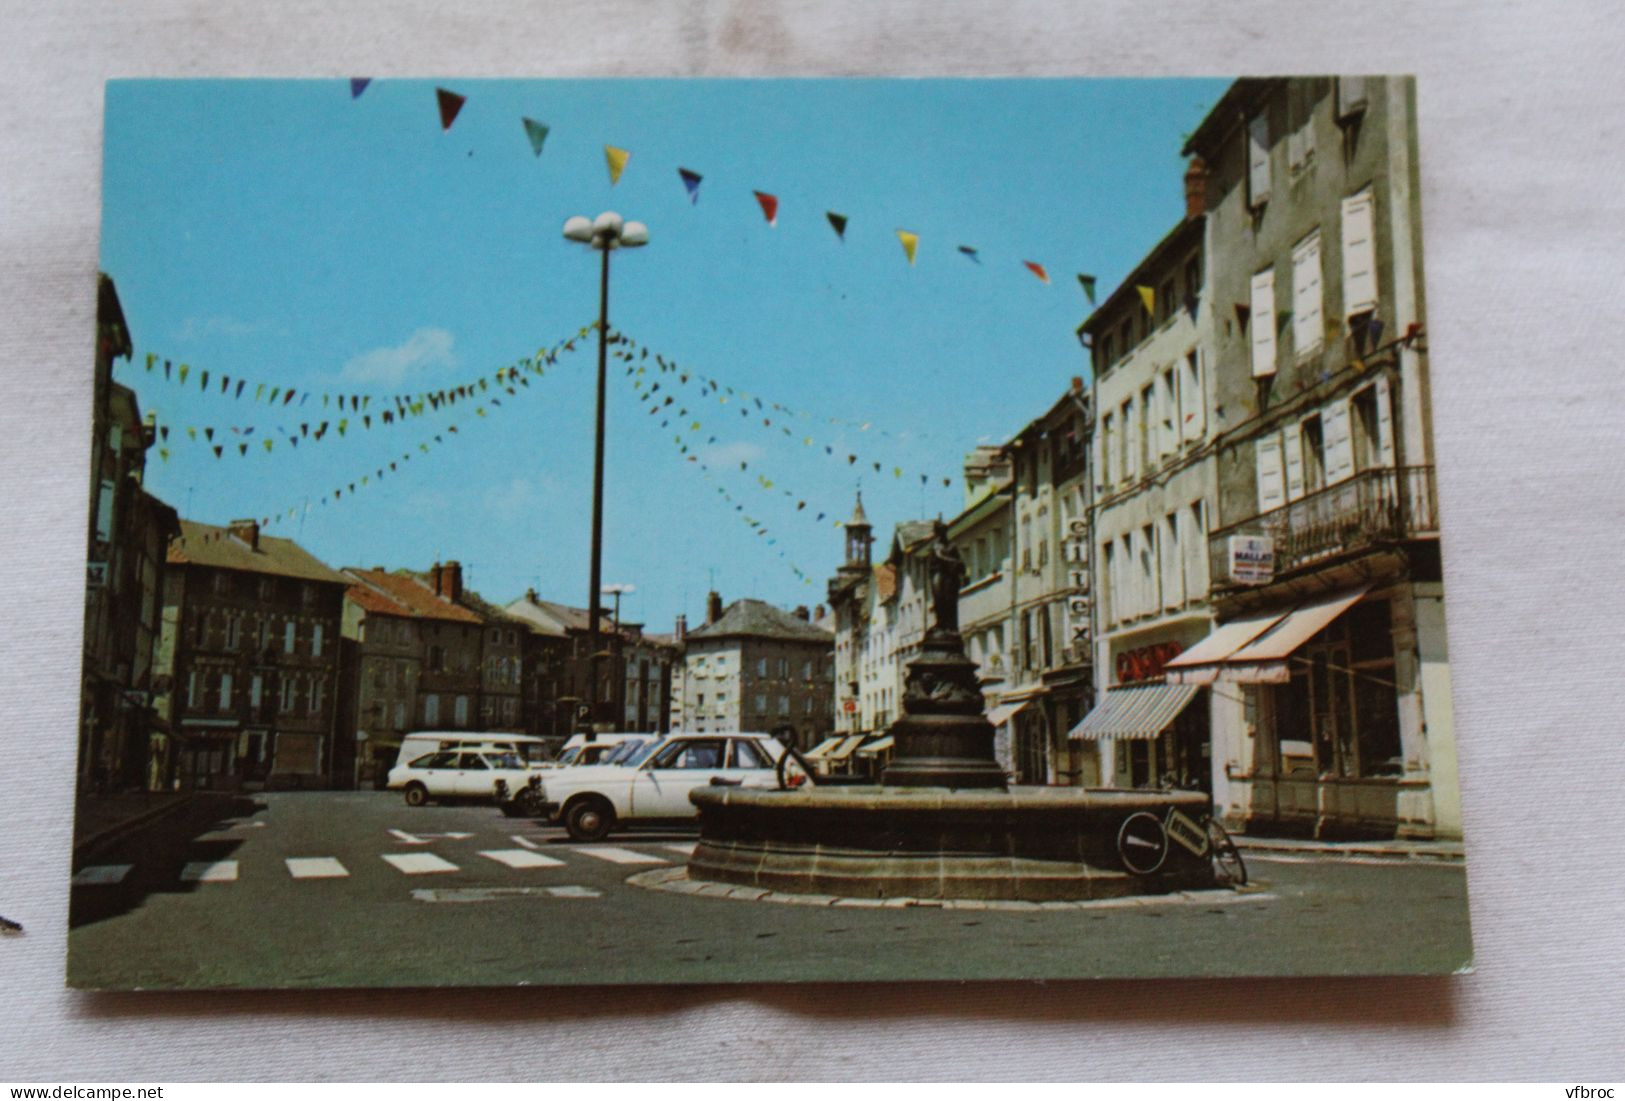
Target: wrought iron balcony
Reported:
point(1375, 507)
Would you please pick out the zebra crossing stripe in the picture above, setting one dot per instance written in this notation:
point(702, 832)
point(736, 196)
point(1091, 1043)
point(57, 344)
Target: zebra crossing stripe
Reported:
point(210, 871)
point(521, 858)
point(574, 892)
point(616, 855)
point(315, 867)
point(101, 875)
point(419, 863)
point(519, 839)
point(408, 838)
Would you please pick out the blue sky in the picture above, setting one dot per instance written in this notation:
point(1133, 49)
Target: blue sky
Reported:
point(285, 233)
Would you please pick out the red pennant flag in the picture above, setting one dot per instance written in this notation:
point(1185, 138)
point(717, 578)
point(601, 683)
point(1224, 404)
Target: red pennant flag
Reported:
point(770, 206)
point(1036, 269)
point(450, 104)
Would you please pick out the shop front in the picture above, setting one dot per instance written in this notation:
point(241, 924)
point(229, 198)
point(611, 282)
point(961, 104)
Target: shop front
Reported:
point(1144, 732)
point(1319, 711)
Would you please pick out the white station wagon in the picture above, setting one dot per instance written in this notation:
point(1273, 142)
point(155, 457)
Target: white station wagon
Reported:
point(457, 774)
point(592, 800)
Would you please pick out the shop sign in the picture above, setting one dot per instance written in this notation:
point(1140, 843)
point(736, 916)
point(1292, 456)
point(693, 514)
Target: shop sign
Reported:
point(1186, 832)
point(1146, 663)
point(849, 706)
point(1252, 559)
point(95, 574)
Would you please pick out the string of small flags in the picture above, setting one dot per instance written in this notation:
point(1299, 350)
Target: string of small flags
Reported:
point(754, 409)
point(228, 439)
point(449, 105)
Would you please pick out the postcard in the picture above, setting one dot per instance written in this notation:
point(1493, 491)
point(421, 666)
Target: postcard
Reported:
point(562, 532)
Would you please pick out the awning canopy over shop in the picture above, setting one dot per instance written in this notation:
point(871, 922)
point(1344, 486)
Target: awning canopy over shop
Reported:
point(1255, 650)
point(879, 745)
point(844, 750)
point(823, 747)
point(1006, 711)
point(1143, 711)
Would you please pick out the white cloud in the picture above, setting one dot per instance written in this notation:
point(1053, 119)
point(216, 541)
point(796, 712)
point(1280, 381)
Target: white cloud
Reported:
point(426, 348)
point(730, 454)
point(194, 328)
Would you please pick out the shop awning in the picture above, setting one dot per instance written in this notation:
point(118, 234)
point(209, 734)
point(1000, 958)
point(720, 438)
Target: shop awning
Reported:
point(879, 745)
point(844, 750)
point(1260, 657)
point(1006, 711)
point(823, 747)
point(1143, 711)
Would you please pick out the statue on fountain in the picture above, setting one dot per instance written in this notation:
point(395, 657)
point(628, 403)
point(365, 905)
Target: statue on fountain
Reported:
point(946, 570)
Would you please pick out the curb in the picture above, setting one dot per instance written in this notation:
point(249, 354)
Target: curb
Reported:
point(82, 849)
point(1354, 851)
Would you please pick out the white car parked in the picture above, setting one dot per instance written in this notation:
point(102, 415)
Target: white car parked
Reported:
point(592, 800)
point(458, 774)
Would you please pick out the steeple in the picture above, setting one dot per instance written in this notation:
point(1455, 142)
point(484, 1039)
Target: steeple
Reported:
point(859, 537)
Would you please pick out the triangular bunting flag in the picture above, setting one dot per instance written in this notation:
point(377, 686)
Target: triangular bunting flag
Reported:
point(358, 84)
point(770, 206)
point(970, 254)
point(911, 242)
point(1087, 282)
point(837, 222)
point(536, 132)
point(1148, 298)
point(616, 159)
point(450, 104)
point(691, 181)
point(1036, 269)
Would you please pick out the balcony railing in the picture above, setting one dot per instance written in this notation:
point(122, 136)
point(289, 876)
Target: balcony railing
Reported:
point(1384, 505)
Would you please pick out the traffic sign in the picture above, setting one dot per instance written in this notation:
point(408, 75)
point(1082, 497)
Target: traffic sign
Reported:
point(1142, 843)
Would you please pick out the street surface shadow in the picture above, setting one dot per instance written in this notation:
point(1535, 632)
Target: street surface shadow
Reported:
point(157, 855)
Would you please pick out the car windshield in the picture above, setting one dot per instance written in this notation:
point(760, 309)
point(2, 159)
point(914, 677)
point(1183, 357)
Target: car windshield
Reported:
point(623, 752)
point(532, 752)
point(571, 755)
point(504, 760)
point(641, 753)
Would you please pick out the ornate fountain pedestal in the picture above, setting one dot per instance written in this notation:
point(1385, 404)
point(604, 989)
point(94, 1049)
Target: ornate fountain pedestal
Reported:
point(943, 824)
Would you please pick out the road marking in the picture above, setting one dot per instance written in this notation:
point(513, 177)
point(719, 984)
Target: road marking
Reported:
point(522, 858)
point(616, 855)
point(210, 871)
point(315, 867)
point(419, 863)
point(101, 875)
point(492, 894)
point(408, 838)
point(525, 841)
point(687, 848)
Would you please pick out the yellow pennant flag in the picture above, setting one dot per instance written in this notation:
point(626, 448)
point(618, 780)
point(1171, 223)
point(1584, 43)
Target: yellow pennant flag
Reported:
point(911, 241)
point(1149, 297)
point(616, 159)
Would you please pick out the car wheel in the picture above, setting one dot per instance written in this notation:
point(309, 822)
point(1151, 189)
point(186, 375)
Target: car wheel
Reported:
point(589, 820)
point(416, 795)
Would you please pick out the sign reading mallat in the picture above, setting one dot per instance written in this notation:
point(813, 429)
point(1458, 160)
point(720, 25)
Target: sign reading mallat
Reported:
point(1252, 559)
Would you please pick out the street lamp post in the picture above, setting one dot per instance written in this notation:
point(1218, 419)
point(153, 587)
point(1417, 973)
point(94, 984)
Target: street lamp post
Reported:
point(606, 233)
point(615, 651)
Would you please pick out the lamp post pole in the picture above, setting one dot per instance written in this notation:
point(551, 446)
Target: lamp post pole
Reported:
point(605, 233)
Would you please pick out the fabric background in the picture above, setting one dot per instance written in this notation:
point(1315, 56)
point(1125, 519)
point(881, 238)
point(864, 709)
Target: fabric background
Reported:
point(1520, 117)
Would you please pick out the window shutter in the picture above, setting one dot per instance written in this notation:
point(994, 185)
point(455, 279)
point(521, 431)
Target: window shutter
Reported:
point(1294, 461)
point(1359, 255)
point(1385, 423)
point(1351, 96)
point(1294, 151)
point(1194, 411)
point(1258, 161)
point(1173, 563)
point(1271, 494)
point(1339, 443)
point(1263, 323)
point(1307, 327)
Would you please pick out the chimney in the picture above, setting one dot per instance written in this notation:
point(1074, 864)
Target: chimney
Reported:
point(1077, 384)
point(530, 596)
point(679, 630)
point(436, 575)
point(818, 612)
point(713, 607)
point(1196, 188)
point(452, 577)
point(246, 530)
point(802, 614)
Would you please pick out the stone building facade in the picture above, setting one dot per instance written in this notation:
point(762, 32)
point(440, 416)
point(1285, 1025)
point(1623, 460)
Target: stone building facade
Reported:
point(385, 664)
point(755, 667)
point(250, 651)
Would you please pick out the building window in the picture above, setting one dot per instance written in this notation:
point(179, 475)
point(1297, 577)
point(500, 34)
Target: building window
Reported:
point(1258, 161)
point(431, 710)
point(1191, 408)
point(460, 711)
point(1108, 591)
point(1128, 449)
point(316, 641)
point(290, 632)
point(1261, 319)
point(225, 691)
point(256, 686)
point(1312, 449)
point(1308, 328)
point(1149, 599)
point(317, 686)
point(761, 667)
point(761, 704)
point(1168, 412)
point(234, 627)
point(1359, 258)
point(1105, 469)
point(289, 693)
point(784, 705)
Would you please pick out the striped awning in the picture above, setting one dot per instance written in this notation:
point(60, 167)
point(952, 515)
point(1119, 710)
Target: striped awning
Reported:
point(844, 750)
point(1005, 712)
point(823, 747)
point(1143, 711)
point(879, 745)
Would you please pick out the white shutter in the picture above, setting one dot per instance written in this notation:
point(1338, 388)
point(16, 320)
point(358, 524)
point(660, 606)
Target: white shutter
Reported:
point(1131, 442)
point(1385, 423)
point(1351, 96)
point(1193, 408)
point(1263, 323)
point(1359, 255)
point(1307, 327)
point(1339, 443)
point(1294, 461)
point(1309, 142)
point(1270, 491)
point(1173, 563)
point(1168, 414)
point(1258, 161)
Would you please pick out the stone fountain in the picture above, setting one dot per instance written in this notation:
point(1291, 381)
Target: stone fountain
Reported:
point(943, 823)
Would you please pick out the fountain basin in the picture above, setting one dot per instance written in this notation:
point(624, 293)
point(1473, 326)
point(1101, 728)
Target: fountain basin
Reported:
point(1024, 844)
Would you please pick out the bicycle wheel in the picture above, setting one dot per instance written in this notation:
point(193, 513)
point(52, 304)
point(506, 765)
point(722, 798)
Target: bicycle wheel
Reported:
point(1228, 866)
